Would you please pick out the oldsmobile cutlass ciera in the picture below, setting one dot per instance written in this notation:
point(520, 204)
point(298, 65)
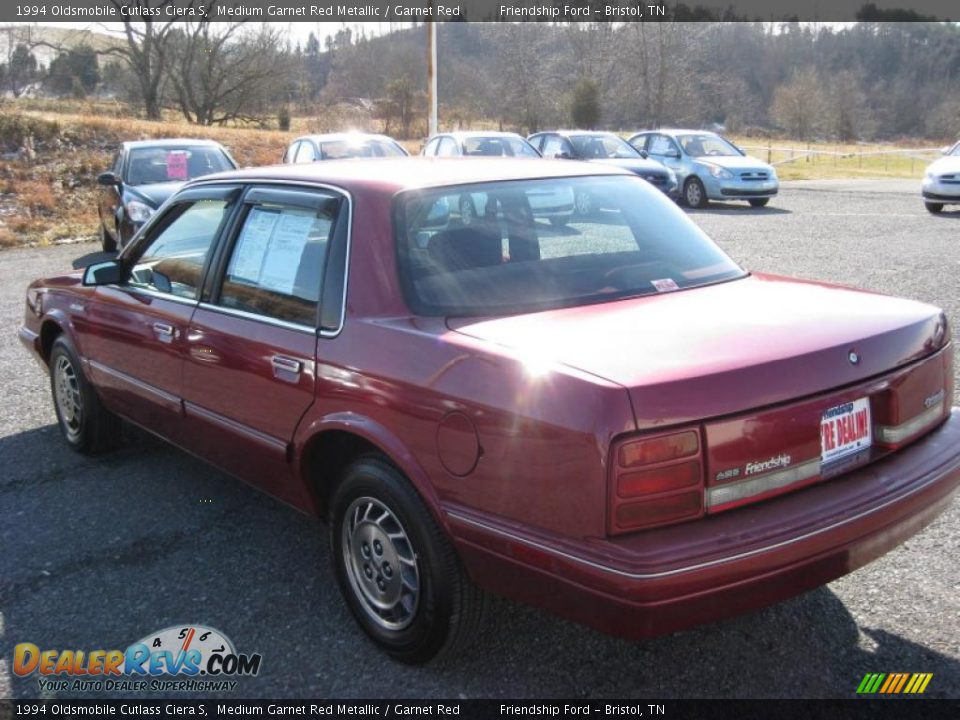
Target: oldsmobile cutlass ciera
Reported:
point(610, 419)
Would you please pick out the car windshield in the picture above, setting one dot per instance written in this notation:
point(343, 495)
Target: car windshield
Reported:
point(498, 146)
point(151, 165)
point(591, 147)
point(515, 251)
point(703, 145)
point(360, 148)
point(955, 150)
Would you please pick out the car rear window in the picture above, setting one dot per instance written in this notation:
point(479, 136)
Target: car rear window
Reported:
point(507, 247)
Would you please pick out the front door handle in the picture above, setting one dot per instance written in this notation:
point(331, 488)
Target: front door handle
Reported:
point(165, 331)
point(286, 368)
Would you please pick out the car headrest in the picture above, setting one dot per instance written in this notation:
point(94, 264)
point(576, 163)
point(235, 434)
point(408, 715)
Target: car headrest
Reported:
point(465, 248)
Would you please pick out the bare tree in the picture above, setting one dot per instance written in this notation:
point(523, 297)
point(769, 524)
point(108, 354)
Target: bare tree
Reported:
point(228, 71)
point(146, 51)
point(798, 105)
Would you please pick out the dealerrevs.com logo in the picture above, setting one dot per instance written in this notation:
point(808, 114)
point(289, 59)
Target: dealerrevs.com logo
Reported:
point(188, 658)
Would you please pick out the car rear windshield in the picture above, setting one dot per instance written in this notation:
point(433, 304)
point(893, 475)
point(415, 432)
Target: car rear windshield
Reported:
point(148, 166)
point(517, 246)
point(340, 149)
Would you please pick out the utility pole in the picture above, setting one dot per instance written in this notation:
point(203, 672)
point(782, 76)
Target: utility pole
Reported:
point(432, 73)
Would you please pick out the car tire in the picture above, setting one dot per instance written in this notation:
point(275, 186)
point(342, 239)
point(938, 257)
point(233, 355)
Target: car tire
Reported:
point(468, 211)
point(759, 202)
point(87, 426)
point(934, 207)
point(694, 194)
point(108, 243)
point(397, 571)
point(583, 203)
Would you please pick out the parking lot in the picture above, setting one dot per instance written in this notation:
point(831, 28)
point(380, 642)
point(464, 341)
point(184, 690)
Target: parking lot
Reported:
point(97, 553)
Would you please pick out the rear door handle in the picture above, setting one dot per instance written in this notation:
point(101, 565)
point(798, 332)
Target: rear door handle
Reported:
point(283, 365)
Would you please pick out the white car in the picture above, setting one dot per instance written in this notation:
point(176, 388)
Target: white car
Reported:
point(941, 181)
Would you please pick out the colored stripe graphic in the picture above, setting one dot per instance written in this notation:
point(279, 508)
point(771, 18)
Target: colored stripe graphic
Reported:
point(894, 683)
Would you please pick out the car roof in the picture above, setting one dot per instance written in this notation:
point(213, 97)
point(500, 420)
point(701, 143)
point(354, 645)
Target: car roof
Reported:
point(337, 137)
point(168, 142)
point(464, 134)
point(570, 133)
point(395, 174)
point(677, 131)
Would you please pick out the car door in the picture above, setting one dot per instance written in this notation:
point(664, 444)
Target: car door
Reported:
point(109, 197)
point(250, 368)
point(665, 150)
point(134, 331)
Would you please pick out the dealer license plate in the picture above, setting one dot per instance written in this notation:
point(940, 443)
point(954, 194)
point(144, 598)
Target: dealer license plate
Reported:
point(845, 430)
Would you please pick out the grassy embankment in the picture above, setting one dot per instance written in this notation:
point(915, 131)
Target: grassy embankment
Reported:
point(51, 198)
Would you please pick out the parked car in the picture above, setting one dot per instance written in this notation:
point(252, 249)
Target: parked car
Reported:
point(941, 181)
point(554, 202)
point(144, 173)
point(709, 167)
point(608, 149)
point(338, 146)
point(486, 143)
point(612, 421)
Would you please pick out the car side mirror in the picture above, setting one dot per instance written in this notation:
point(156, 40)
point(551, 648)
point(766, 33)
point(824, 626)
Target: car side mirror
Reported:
point(675, 154)
point(644, 154)
point(104, 273)
point(108, 178)
point(562, 155)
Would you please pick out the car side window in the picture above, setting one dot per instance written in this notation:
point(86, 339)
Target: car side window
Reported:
point(277, 263)
point(554, 145)
point(305, 153)
point(291, 152)
point(117, 166)
point(172, 261)
point(447, 147)
point(431, 148)
point(537, 142)
point(661, 145)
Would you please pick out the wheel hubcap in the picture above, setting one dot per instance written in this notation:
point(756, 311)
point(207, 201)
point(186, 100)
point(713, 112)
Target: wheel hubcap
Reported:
point(381, 563)
point(693, 194)
point(66, 388)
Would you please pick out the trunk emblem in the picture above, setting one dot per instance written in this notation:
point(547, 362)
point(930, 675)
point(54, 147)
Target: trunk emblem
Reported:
point(854, 357)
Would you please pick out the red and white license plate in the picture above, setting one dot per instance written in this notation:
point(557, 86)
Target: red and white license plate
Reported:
point(845, 430)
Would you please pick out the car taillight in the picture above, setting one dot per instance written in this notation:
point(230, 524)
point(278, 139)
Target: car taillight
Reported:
point(655, 481)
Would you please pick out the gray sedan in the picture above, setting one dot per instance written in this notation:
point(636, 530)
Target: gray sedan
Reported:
point(709, 167)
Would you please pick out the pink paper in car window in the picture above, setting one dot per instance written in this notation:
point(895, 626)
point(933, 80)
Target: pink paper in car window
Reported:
point(177, 165)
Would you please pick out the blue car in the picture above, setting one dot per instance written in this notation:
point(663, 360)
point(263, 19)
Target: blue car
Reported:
point(709, 167)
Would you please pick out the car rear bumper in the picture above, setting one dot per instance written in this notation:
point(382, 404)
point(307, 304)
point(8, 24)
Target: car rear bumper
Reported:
point(666, 579)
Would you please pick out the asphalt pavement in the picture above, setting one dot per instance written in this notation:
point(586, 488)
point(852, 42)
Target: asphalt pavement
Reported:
point(97, 553)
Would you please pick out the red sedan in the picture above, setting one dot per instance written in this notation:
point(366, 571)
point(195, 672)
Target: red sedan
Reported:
point(610, 420)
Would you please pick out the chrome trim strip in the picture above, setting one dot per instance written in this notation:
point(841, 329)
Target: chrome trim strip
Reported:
point(744, 489)
point(305, 183)
point(897, 433)
point(162, 394)
point(258, 318)
point(232, 425)
point(697, 566)
point(153, 293)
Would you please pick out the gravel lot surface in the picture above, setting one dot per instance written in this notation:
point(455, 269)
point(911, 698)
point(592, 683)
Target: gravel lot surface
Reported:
point(98, 553)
